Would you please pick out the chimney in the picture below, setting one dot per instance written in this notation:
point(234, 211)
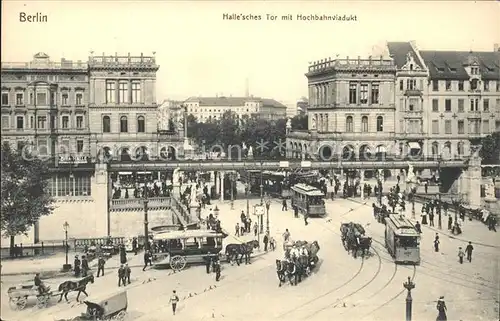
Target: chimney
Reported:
point(496, 47)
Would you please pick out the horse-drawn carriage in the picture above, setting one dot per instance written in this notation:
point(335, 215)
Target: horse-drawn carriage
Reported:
point(300, 258)
point(110, 306)
point(354, 239)
point(20, 295)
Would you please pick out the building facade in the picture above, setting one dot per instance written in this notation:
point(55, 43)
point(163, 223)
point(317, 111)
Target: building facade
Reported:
point(351, 109)
point(413, 102)
point(212, 108)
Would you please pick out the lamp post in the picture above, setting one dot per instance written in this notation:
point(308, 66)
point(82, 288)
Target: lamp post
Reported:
point(268, 205)
point(261, 185)
point(146, 229)
point(247, 188)
point(409, 285)
point(231, 185)
point(66, 266)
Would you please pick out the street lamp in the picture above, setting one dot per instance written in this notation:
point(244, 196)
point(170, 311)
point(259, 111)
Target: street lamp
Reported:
point(66, 267)
point(231, 177)
point(261, 185)
point(409, 285)
point(268, 205)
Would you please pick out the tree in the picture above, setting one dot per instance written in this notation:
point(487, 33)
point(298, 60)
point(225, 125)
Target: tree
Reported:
point(490, 151)
point(25, 197)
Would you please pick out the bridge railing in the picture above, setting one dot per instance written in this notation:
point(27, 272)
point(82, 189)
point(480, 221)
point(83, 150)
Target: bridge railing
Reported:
point(138, 203)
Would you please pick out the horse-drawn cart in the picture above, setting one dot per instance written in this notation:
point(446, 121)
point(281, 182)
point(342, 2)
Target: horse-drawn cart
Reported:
point(353, 238)
point(19, 296)
point(110, 306)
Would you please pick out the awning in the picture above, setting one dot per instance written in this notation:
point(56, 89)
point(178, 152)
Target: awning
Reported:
point(414, 145)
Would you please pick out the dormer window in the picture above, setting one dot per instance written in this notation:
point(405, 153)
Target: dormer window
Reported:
point(474, 71)
point(486, 85)
point(453, 70)
point(440, 69)
point(411, 66)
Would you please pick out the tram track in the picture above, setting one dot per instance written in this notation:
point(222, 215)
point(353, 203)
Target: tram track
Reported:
point(331, 305)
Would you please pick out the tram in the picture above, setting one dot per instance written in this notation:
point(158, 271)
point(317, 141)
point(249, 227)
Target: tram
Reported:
point(402, 240)
point(308, 199)
point(276, 183)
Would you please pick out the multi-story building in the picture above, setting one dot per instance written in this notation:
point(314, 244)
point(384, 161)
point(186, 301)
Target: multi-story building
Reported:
point(302, 106)
point(123, 110)
point(351, 108)
point(44, 104)
point(446, 100)
point(208, 108)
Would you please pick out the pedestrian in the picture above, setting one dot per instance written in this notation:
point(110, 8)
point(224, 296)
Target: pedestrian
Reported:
point(174, 299)
point(286, 235)
point(134, 245)
point(436, 243)
point(255, 229)
point(305, 218)
point(445, 208)
point(121, 275)
point(468, 251)
point(85, 266)
point(418, 228)
point(431, 218)
point(147, 260)
point(217, 269)
point(208, 262)
point(76, 265)
point(100, 266)
point(284, 206)
point(237, 228)
point(441, 307)
point(296, 211)
point(123, 254)
point(461, 255)
point(450, 222)
point(128, 271)
point(265, 240)
point(272, 243)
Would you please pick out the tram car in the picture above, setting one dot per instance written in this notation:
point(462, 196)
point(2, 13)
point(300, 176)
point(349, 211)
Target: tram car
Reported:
point(402, 240)
point(309, 200)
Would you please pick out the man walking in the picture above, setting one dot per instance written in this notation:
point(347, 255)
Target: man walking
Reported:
point(76, 265)
point(134, 245)
point(128, 271)
point(431, 218)
point(265, 240)
point(461, 255)
point(468, 251)
point(436, 243)
point(100, 266)
point(255, 229)
point(441, 307)
point(173, 300)
point(85, 266)
point(147, 260)
point(237, 228)
point(284, 206)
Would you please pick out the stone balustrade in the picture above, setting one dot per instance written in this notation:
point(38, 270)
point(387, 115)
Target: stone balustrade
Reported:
point(138, 203)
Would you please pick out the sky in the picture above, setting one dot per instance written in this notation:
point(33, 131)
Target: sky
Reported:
point(201, 54)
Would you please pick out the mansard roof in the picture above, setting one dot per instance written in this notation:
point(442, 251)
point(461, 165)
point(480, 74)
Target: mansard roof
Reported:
point(450, 65)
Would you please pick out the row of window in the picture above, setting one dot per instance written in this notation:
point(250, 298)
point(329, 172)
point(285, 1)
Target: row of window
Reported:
point(447, 148)
point(42, 145)
point(42, 122)
point(474, 105)
point(474, 84)
point(474, 126)
point(349, 123)
point(128, 92)
point(106, 124)
point(41, 99)
point(64, 185)
point(359, 93)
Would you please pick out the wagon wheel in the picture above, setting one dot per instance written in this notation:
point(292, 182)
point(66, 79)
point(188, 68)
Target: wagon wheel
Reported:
point(21, 302)
point(41, 301)
point(120, 316)
point(13, 303)
point(177, 263)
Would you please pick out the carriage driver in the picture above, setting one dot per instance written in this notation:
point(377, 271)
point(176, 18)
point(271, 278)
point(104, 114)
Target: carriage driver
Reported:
point(294, 252)
point(303, 251)
point(38, 283)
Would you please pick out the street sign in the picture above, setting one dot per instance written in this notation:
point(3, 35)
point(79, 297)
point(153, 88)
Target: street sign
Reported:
point(305, 164)
point(258, 210)
point(284, 164)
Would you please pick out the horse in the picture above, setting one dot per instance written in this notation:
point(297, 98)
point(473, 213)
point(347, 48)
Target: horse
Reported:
point(292, 273)
point(244, 250)
point(281, 270)
point(80, 286)
point(364, 244)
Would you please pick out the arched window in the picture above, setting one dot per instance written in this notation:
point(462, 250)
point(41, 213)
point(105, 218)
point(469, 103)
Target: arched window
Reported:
point(141, 125)
point(106, 124)
point(364, 124)
point(348, 124)
point(123, 124)
point(435, 149)
point(380, 124)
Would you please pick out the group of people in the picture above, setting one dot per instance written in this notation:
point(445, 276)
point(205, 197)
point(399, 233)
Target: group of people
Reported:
point(81, 267)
